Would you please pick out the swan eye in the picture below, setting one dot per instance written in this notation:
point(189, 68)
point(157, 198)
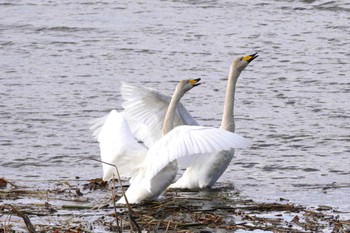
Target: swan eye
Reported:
point(241, 59)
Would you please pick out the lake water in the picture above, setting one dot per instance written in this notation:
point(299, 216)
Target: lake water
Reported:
point(61, 64)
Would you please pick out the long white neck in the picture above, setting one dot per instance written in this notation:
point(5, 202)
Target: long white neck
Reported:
point(168, 124)
point(228, 121)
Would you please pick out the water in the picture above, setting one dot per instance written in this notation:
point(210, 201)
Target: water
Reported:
point(61, 64)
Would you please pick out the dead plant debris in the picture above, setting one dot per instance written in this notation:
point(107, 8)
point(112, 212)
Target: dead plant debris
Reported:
point(72, 207)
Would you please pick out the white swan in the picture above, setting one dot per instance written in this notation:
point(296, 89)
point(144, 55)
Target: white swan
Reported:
point(142, 103)
point(204, 173)
point(153, 169)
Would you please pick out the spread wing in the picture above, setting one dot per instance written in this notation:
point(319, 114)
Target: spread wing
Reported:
point(119, 147)
point(185, 142)
point(145, 111)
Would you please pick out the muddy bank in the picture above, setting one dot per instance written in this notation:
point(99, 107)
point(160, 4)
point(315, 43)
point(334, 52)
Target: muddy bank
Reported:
point(87, 206)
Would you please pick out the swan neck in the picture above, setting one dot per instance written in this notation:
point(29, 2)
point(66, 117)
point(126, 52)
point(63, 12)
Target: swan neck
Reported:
point(228, 121)
point(168, 124)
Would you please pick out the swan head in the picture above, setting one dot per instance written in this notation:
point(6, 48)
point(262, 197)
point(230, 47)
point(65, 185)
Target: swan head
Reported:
point(188, 84)
point(242, 62)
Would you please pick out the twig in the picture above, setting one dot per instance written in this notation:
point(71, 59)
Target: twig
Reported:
point(130, 211)
point(76, 207)
point(119, 227)
point(164, 204)
point(167, 227)
point(25, 218)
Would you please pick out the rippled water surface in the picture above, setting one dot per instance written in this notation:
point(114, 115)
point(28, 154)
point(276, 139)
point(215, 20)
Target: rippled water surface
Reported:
point(62, 62)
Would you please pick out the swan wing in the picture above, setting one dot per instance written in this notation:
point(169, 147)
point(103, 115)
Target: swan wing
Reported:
point(96, 126)
point(145, 111)
point(119, 147)
point(186, 142)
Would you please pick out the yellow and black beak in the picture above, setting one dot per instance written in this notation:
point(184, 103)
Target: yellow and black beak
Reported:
point(194, 82)
point(250, 58)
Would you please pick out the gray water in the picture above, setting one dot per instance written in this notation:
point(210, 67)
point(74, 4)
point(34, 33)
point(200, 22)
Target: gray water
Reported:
point(62, 62)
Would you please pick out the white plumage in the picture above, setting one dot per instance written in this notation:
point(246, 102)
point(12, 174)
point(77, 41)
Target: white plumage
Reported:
point(203, 173)
point(118, 146)
point(186, 142)
point(145, 110)
point(153, 169)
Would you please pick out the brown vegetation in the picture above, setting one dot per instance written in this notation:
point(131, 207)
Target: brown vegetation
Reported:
point(89, 207)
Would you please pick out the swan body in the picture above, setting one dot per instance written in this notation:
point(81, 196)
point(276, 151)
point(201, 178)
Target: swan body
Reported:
point(154, 168)
point(203, 173)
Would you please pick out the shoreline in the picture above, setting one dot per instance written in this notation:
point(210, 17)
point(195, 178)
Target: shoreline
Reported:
point(87, 206)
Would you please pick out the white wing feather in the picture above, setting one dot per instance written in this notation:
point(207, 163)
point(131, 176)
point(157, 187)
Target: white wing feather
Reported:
point(145, 111)
point(183, 142)
point(119, 147)
point(96, 126)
